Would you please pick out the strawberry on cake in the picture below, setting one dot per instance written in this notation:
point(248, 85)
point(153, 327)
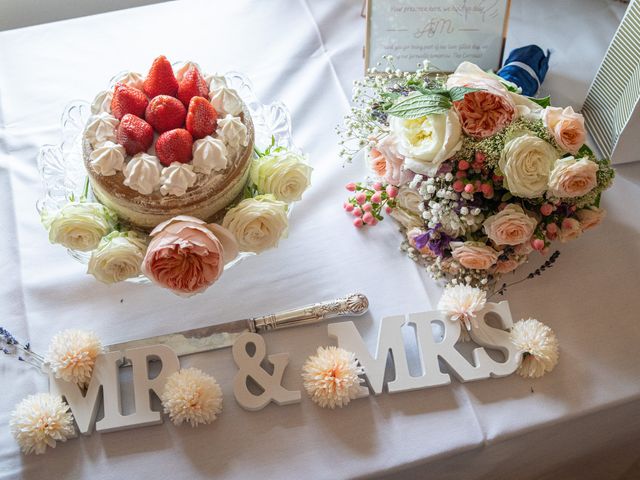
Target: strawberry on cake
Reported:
point(176, 142)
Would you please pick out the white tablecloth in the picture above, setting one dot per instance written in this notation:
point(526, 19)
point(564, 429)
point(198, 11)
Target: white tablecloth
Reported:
point(583, 419)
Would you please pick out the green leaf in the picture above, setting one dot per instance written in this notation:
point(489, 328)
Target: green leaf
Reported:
point(507, 196)
point(421, 105)
point(584, 151)
point(457, 93)
point(510, 87)
point(597, 202)
point(543, 102)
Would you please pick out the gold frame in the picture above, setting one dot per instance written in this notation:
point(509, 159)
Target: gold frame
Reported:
point(366, 49)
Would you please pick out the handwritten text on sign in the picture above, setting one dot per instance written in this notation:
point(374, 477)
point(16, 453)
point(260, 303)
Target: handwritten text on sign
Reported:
point(445, 32)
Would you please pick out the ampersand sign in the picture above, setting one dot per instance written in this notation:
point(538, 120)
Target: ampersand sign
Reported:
point(249, 366)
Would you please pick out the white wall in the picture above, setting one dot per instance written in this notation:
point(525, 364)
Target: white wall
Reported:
point(22, 13)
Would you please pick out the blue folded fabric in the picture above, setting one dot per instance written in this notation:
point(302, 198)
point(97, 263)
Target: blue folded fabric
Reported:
point(526, 67)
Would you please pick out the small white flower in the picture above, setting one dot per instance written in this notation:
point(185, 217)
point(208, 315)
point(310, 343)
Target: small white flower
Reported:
point(331, 377)
point(461, 303)
point(39, 421)
point(539, 344)
point(72, 355)
point(191, 396)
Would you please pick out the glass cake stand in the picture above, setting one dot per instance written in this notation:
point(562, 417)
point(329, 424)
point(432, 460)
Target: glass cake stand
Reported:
point(62, 171)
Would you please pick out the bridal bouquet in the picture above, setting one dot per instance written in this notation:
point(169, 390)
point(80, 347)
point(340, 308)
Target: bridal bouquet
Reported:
point(478, 176)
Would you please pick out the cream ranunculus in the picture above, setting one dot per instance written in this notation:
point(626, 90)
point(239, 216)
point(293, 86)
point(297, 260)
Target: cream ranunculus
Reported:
point(510, 226)
point(81, 225)
point(283, 174)
point(572, 178)
point(526, 162)
point(118, 257)
point(407, 211)
point(257, 223)
point(426, 142)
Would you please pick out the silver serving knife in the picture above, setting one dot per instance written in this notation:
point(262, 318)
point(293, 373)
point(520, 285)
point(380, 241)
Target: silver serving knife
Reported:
point(220, 336)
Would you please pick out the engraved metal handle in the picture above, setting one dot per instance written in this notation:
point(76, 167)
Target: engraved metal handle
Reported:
point(354, 304)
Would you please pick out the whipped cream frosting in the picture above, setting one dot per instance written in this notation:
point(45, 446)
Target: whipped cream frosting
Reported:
point(108, 158)
point(232, 132)
point(101, 128)
point(142, 173)
point(177, 178)
point(102, 102)
point(183, 69)
point(209, 154)
point(132, 79)
point(216, 81)
point(226, 101)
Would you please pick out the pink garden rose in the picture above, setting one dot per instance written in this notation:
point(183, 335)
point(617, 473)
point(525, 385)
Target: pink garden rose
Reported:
point(474, 255)
point(590, 217)
point(507, 266)
point(566, 126)
point(510, 226)
point(570, 230)
point(387, 163)
point(187, 255)
point(486, 111)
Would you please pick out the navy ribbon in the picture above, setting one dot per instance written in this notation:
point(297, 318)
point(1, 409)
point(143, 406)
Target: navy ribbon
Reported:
point(526, 67)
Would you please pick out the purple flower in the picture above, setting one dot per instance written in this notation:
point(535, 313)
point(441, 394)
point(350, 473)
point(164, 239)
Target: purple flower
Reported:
point(436, 240)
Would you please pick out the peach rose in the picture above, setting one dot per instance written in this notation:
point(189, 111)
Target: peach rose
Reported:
point(571, 229)
point(590, 217)
point(507, 266)
point(187, 255)
point(486, 111)
point(572, 178)
point(511, 226)
point(566, 126)
point(474, 255)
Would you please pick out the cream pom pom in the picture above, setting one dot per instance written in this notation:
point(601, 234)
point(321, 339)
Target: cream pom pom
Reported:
point(540, 347)
point(461, 303)
point(331, 377)
point(39, 421)
point(72, 355)
point(192, 396)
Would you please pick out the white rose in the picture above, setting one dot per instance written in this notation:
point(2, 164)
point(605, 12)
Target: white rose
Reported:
point(257, 223)
point(526, 163)
point(426, 142)
point(572, 178)
point(118, 257)
point(81, 226)
point(407, 211)
point(283, 174)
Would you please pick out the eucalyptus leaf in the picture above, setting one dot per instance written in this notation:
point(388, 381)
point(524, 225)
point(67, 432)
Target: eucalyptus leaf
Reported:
point(421, 105)
point(584, 151)
point(457, 93)
point(543, 102)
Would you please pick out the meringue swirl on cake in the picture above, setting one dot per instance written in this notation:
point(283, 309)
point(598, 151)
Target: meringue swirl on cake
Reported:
point(102, 102)
point(232, 132)
point(209, 154)
point(131, 79)
point(226, 101)
point(142, 173)
point(177, 178)
point(108, 158)
point(101, 128)
point(216, 81)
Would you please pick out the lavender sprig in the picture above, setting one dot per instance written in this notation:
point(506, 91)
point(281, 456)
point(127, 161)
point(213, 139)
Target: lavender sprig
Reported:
point(12, 347)
point(538, 271)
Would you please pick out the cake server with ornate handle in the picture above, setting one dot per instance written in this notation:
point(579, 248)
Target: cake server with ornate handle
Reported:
point(223, 335)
